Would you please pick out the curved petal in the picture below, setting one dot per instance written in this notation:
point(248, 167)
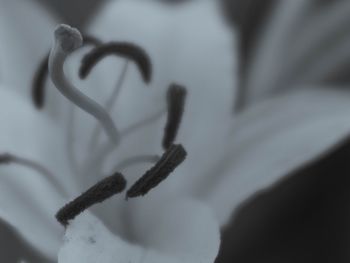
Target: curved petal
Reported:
point(26, 34)
point(321, 44)
point(25, 30)
point(177, 56)
point(88, 240)
point(166, 33)
point(266, 62)
point(28, 200)
point(178, 226)
point(32, 135)
point(13, 248)
point(29, 204)
point(320, 39)
point(202, 62)
point(272, 139)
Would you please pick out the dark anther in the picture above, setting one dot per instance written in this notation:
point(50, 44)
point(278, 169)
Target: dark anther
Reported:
point(98, 193)
point(176, 96)
point(123, 49)
point(38, 86)
point(40, 76)
point(172, 158)
point(5, 158)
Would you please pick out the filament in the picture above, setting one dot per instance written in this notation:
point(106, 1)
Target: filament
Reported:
point(136, 160)
point(142, 123)
point(101, 152)
point(8, 158)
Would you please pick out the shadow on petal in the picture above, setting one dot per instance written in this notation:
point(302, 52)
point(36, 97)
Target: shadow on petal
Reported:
point(304, 218)
point(14, 248)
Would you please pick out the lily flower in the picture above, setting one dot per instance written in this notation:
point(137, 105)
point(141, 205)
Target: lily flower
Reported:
point(166, 225)
point(228, 158)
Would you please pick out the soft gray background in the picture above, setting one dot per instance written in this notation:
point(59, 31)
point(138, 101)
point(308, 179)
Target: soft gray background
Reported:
point(75, 12)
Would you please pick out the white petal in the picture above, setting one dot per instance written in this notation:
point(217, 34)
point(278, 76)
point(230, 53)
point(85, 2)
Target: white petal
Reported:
point(274, 138)
point(26, 32)
point(181, 227)
point(88, 240)
point(28, 200)
point(322, 44)
point(166, 34)
point(30, 134)
point(176, 54)
point(271, 56)
point(202, 62)
point(320, 41)
point(28, 203)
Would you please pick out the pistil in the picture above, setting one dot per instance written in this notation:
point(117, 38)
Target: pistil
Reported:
point(67, 39)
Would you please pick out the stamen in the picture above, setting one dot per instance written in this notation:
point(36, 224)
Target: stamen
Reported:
point(7, 159)
point(126, 50)
point(98, 193)
point(172, 158)
point(38, 85)
point(176, 96)
point(40, 76)
point(106, 149)
point(135, 160)
point(67, 39)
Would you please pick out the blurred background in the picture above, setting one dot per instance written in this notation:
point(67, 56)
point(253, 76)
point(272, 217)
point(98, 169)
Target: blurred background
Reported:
point(74, 12)
point(302, 219)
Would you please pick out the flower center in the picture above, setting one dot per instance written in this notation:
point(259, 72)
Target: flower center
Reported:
point(116, 183)
point(67, 40)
